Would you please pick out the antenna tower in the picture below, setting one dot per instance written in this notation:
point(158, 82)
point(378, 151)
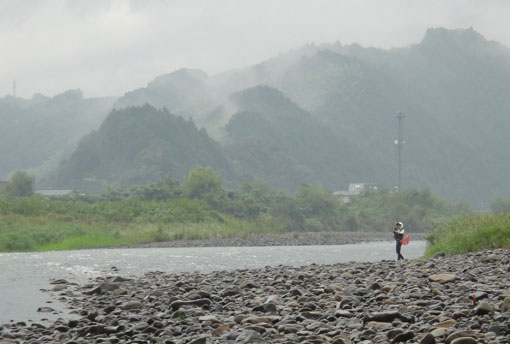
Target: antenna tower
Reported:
point(399, 143)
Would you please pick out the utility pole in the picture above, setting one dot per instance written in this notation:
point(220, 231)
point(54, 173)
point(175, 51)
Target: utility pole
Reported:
point(399, 143)
point(14, 88)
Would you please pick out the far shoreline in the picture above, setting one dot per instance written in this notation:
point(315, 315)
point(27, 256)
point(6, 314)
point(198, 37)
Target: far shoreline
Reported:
point(283, 239)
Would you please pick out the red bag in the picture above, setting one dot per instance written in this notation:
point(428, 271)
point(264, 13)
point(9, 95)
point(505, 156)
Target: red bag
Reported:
point(405, 240)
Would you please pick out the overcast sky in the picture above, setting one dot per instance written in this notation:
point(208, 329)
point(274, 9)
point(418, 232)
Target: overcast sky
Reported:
point(109, 47)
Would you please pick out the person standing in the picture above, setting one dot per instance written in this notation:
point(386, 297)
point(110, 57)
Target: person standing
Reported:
point(398, 235)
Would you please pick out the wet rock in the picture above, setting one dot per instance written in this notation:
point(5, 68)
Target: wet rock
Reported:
point(428, 339)
point(464, 340)
point(265, 308)
point(506, 305)
point(131, 305)
point(248, 284)
point(119, 279)
point(490, 258)
point(220, 330)
point(102, 288)
point(259, 320)
point(484, 308)
point(275, 299)
point(343, 313)
point(442, 278)
point(45, 309)
point(91, 330)
point(233, 291)
point(459, 334)
point(249, 336)
point(393, 333)
point(201, 340)
point(387, 316)
point(497, 329)
point(446, 324)
point(403, 337)
point(59, 287)
point(340, 340)
point(379, 325)
point(440, 332)
point(7, 335)
point(199, 303)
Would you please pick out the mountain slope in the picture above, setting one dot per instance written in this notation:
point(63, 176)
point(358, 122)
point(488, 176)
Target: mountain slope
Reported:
point(139, 145)
point(35, 134)
point(272, 138)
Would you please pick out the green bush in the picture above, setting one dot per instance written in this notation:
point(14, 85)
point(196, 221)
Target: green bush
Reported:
point(470, 233)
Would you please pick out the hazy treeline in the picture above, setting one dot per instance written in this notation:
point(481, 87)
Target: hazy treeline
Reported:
point(202, 194)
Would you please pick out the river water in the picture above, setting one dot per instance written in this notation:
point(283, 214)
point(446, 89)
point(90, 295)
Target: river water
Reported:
point(25, 276)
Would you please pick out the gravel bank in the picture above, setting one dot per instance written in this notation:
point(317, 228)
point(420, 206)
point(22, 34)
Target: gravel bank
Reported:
point(286, 239)
point(458, 299)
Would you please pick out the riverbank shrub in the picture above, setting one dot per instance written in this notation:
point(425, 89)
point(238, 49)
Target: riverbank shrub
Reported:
point(469, 234)
point(501, 205)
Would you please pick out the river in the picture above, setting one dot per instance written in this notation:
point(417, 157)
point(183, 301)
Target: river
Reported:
point(25, 276)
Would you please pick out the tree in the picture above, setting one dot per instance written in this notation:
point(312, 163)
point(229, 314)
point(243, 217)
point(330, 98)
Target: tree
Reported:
point(21, 184)
point(207, 185)
point(501, 205)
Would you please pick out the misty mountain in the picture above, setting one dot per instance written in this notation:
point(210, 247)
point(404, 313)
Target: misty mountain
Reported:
point(36, 133)
point(272, 138)
point(320, 113)
point(452, 85)
point(185, 92)
point(193, 93)
point(138, 145)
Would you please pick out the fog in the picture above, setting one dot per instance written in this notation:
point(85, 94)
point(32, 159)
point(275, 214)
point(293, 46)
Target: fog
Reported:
point(108, 47)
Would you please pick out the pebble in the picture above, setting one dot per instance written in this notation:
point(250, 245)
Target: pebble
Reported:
point(345, 303)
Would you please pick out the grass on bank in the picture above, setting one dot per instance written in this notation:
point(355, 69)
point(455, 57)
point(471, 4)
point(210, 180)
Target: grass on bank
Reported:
point(42, 233)
point(470, 234)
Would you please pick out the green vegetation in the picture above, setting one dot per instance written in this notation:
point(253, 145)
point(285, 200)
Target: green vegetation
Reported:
point(501, 205)
point(200, 208)
point(470, 233)
point(35, 223)
point(21, 184)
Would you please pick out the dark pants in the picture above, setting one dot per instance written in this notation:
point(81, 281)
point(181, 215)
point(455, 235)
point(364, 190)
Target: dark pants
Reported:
point(399, 246)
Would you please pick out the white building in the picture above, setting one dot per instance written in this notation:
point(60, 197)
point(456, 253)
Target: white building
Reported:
point(354, 191)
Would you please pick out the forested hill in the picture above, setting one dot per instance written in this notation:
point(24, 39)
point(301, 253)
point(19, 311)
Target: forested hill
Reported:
point(139, 145)
point(273, 139)
point(35, 134)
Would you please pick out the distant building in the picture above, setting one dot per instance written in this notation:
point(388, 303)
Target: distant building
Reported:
point(3, 184)
point(354, 191)
point(54, 193)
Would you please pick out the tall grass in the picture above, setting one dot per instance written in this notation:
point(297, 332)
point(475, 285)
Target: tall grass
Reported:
point(469, 234)
point(49, 232)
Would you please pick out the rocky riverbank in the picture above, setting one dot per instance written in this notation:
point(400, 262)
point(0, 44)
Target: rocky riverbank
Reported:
point(460, 299)
point(284, 239)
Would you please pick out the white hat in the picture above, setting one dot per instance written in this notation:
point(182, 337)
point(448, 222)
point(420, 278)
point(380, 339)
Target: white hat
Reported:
point(400, 223)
